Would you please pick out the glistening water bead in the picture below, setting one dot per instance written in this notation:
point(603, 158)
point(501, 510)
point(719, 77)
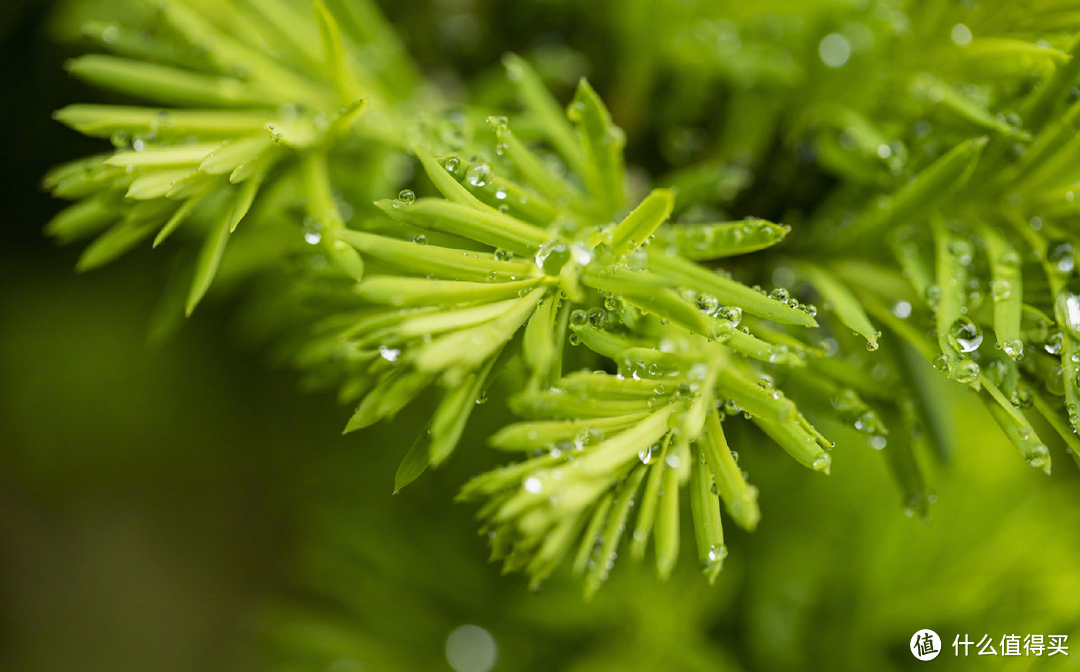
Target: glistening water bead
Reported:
point(480, 174)
point(1068, 306)
point(965, 335)
point(1060, 255)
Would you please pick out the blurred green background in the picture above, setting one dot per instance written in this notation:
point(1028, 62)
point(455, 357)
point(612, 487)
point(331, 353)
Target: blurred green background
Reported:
point(187, 507)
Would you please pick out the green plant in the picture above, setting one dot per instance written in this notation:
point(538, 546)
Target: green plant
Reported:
point(937, 208)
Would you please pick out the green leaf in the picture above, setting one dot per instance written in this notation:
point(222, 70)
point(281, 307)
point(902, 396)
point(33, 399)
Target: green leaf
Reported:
point(445, 182)
point(83, 219)
point(636, 228)
point(393, 393)
point(954, 254)
point(612, 533)
point(930, 187)
point(545, 110)
point(440, 262)
point(1006, 290)
point(739, 497)
point(796, 438)
point(467, 349)
point(179, 217)
point(453, 413)
point(708, 527)
point(207, 265)
point(232, 154)
point(666, 527)
point(113, 243)
point(526, 436)
point(1017, 427)
point(245, 196)
point(490, 228)
point(704, 242)
point(531, 166)
point(158, 184)
point(278, 82)
point(650, 500)
point(163, 84)
point(603, 143)
point(104, 121)
point(398, 291)
point(1006, 58)
point(592, 532)
point(841, 301)
point(1059, 422)
point(938, 90)
point(538, 346)
point(416, 461)
point(337, 65)
point(728, 292)
point(163, 157)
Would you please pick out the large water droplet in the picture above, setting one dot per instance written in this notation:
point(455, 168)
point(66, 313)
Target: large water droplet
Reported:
point(1013, 348)
point(834, 50)
point(965, 335)
point(480, 174)
point(552, 256)
point(1060, 255)
point(966, 372)
point(1054, 343)
point(1068, 304)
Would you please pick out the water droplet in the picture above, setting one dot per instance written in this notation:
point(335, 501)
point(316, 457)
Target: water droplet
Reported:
point(1001, 289)
point(503, 255)
point(598, 318)
point(1054, 343)
point(834, 50)
point(578, 318)
point(1068, 304)
point(471, 648)
point(552, 256)
point(961, 35)
point(965, 335)
point(1013, 348)
point(707, 303)
point(717, 553)
point(1060, 255)
point(1055, 381)
point(732, 314)
point(406, 197)
point(482, 398)
point(532, 484)
point(480, 174)
point(420, 239)
point(389, 354)
point(966, 372)
point(1040, 458)
point(901, 309)
point(780, 294)
point(312, 232)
